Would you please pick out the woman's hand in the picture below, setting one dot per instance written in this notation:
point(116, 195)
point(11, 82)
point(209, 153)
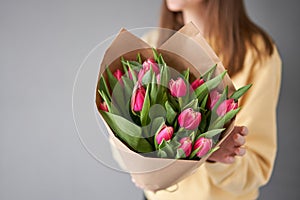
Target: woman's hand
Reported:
point(231, 147)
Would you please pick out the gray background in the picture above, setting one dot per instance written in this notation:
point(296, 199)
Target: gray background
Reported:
point(42, 45)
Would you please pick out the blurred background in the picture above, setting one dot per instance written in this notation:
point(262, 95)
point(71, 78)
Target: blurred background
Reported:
point(42, 46)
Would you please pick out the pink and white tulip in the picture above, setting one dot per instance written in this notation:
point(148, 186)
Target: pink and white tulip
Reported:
point(147, 64)
point(178, 87)
point(204, 145)
point(214, 97)
point(165, 133)
point(226, 106)
point(189, 119)
point(186, 146)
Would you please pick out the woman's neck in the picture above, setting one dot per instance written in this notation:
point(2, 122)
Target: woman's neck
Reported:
point(195, 14)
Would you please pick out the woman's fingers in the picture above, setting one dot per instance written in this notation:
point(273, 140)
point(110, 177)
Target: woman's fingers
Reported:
point(240, 151)
point(232, 146)
point(239, 140)
point(243, 130)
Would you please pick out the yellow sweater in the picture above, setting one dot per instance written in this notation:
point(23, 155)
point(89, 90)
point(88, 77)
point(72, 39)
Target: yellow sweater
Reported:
point(242, 179)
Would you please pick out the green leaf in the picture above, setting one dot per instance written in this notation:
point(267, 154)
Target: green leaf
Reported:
point(155, 55)
point(119, 100)
point(221, 121)
point(145, 109)
point(204, 102)
point(126, 71)
point(193, 154)
point(204, 89)
point(123, 62)
point(164, 76)
point(154, 90)
point(133, 64)
point(134, 78)
point(162, 154)
point(139, 59)
point(193, 104)
point(103, 87)
point(128, 88)
point(240, 92)
point(186, 75)
point(207, 75)
point(171, 114)
point(128, 132)
point(180, 154)
point(162, 61)
point(211, 133)
point(205, 120)
point(156, 111)
point(111, 78)
point(106, 99)
point(166, 147)
point(147, 78)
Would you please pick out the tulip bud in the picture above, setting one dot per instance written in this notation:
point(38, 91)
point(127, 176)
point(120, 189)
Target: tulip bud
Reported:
point(103, 106)
point(177, 88)
point(118, 74)
point(226, 106)
point(165, 133)
point(149, 63)
point(186, 146)
point(204, 145)
point(189, 119)
point(137, 99)
point(196, 83)
point(214, 97)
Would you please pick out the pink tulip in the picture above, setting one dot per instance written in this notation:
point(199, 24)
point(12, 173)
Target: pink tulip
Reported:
point(186, 146)
point(204, 145)
point(137, 99)
point(214, 97)
point(196, 83)
point(149, 63)
point(226, 106)
point(118, 74)
point(103, 106)
point(178, 87)
point(189, 119)
point(165, 133)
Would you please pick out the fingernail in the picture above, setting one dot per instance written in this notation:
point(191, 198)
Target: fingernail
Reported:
point(240, 151)
point(245, 130)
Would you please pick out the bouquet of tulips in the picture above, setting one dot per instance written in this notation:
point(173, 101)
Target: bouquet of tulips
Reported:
point(166, 109)
point(165, 114)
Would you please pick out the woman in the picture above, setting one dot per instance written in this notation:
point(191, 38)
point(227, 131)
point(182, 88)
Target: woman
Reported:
point(250, 56)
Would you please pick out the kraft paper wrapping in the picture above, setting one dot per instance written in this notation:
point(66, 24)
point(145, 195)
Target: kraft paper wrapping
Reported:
point(186, 48)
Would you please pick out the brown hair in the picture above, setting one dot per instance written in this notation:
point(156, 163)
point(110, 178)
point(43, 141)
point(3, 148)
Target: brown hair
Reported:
point(229, 22)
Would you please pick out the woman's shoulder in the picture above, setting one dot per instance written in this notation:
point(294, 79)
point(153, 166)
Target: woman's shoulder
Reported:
point(261, 53)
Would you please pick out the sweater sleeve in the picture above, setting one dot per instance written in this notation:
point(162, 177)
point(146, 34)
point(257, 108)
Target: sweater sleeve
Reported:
point(258, 113)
